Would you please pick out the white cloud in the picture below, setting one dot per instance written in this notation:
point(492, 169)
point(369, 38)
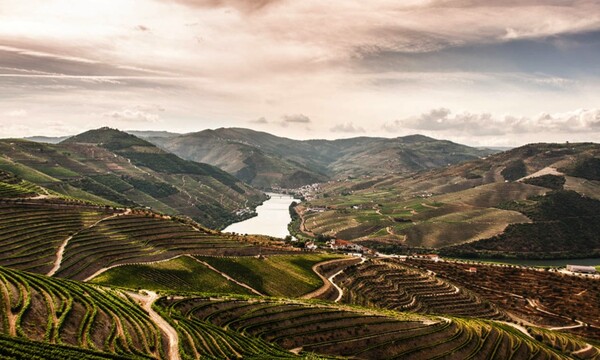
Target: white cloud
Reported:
point(295, 119)
point(443, 121)
point(16, 113)
point(347, 127)
point(138, 114)
point(260, 120)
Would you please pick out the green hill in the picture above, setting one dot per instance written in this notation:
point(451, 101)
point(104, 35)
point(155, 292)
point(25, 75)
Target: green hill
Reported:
point(107, 166)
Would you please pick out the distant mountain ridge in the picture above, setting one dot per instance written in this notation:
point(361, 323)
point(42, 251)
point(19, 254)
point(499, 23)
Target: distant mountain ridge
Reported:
point(265, 160)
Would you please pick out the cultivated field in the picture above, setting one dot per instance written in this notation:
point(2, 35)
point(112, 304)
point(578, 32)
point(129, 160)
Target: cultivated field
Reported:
point(387, 284)
point(242, 328)
point(543, 298)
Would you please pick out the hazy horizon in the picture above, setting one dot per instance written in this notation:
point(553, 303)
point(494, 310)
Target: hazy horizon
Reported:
point(481, 73)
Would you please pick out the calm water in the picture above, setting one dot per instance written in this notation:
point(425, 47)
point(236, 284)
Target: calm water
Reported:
point(272, 220)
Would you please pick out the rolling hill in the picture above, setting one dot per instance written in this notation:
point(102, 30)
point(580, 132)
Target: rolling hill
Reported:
point(507, 201)
point(111, 167)
point(266, 161)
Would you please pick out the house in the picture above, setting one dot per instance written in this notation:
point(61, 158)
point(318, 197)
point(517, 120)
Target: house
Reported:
point(344, 245)
point(472, 270)
point(311, 246)
point(581, 269)
point(432, 257)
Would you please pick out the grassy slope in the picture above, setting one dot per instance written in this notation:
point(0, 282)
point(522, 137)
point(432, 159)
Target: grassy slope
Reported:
point(182, 274)
point(288, 276)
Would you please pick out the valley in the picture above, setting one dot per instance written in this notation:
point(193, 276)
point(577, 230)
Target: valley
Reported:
point(85, 276)
point(313, 180)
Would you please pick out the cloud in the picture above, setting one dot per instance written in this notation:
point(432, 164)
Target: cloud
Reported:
point(347, 127)
point(260, 120)
point(16, 113)
point(296, 119)
point(138, 114)
point(442, 120)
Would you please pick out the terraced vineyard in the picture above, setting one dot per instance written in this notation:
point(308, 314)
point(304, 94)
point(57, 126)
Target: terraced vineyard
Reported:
point(229, 328)
point(566, 344)
point(137, 238)
point(73, 240)
point(30, 233)
point(387, 284)
point(63, 312)
point(534, 296)
point(12, 348)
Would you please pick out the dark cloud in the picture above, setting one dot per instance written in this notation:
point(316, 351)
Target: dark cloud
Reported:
point(348, 127)
point(561, 55)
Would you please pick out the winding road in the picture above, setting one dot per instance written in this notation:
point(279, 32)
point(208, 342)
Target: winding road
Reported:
point(146, 298)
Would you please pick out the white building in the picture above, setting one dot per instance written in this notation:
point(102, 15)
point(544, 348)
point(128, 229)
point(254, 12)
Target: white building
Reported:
point(581, 269)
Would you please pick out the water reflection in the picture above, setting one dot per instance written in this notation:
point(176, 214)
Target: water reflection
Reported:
point(272, 220)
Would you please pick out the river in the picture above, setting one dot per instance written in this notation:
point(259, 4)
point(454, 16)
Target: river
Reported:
point(272, 220)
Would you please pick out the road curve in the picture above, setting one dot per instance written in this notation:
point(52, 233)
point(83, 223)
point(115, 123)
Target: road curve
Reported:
point(146, 298)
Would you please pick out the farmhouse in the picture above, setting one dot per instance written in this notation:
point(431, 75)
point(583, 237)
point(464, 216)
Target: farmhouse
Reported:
point(311, 245)
point(581, 269)
point(472, 270)
point(433, 257)
point(344, 245)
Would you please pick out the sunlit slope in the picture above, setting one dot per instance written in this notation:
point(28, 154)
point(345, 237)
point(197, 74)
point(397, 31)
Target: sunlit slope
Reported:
point(457, 204)
point(114, 322)
point(270, 275)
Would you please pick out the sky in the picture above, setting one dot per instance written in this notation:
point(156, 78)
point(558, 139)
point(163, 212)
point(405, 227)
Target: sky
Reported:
point(485, 73)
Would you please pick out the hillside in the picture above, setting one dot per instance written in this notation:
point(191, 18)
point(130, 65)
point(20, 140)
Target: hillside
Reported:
point(469, 203)
point(111, 167)
point(133, 324)
point(264, 160)
point(214, 299)
point(79, 241)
